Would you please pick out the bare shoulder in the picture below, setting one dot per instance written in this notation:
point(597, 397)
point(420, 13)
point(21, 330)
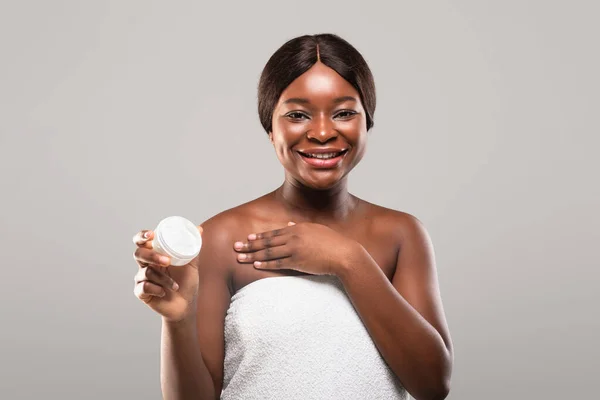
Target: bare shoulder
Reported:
point(388, 222)
point(227, 224)
point(221, 230)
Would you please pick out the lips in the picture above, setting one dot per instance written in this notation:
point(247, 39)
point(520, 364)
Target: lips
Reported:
point(323, 158)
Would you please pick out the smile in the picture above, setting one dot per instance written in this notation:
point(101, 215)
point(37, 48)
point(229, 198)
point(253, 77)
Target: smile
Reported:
point(323, 160)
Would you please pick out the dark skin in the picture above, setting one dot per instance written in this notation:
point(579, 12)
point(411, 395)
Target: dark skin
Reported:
point(309, 225)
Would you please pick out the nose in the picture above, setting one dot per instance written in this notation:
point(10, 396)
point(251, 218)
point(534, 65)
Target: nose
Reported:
point(323, 129)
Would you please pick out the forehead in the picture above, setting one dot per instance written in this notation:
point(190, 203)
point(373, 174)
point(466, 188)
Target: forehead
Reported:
point(319, 84)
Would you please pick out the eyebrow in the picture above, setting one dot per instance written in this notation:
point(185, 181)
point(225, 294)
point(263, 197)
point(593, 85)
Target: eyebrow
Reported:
point(299, 100)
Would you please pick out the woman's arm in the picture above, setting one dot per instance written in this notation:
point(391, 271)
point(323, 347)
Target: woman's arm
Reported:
point(192, 351)
point(405, 317)
point(184, 374)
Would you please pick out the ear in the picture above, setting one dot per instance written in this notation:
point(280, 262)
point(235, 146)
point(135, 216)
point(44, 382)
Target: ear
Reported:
point(271, 137)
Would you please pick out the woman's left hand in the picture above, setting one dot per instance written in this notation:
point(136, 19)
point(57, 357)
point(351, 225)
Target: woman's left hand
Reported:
point(307, 247)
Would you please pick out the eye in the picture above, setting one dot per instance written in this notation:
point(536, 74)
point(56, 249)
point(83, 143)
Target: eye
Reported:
point(296, 115)
point(346, 114)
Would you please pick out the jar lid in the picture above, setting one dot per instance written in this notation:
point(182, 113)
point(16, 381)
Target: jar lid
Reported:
point(180, 236)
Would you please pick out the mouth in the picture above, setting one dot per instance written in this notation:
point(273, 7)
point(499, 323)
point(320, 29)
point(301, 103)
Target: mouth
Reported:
point(323, 160)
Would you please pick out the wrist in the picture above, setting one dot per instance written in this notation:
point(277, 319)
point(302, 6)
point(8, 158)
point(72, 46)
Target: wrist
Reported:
point(187, 322)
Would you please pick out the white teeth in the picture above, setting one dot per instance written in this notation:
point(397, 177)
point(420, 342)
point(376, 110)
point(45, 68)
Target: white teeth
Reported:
point(324, 155)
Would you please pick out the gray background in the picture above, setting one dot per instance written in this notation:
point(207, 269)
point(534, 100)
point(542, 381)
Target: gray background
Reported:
point(115, 114)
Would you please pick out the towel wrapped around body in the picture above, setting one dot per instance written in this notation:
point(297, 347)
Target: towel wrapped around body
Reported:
point(299, 337)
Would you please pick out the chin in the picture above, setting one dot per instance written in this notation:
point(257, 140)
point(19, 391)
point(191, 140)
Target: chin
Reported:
point(320, 184)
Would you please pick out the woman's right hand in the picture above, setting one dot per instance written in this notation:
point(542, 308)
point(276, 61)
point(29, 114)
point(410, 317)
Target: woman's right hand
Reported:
point(169, 290)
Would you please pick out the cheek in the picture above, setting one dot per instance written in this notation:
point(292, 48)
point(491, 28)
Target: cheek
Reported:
point(281, 148)
point(358, 127)
point(360, 154)
point(284, 137)
point(360, 145)
point(295, 130)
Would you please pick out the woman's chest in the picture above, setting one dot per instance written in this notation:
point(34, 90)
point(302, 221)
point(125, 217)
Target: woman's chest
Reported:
point(382, 247)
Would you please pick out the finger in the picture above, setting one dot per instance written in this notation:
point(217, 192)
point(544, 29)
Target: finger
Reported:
point(146, 290)
point(155, 276)
point(280, 263)
point(268, 234)
point(147, 245)
point(270, 253)
point(147, 256)
point(259, 244)
point(143, 237)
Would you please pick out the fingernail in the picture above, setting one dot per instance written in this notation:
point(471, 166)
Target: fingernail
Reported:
point(175, 286)
point(252, 236)
point(238, 245)
point(146, 235)
point(257, 263)
point(241, 256)
point(164, 260)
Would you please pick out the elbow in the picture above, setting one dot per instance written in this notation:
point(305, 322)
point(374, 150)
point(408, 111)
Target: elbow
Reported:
point(443, 385)
point(443, 393)
point(434, 391)
point(434, 394)
point(436, 386)
point(437, 392)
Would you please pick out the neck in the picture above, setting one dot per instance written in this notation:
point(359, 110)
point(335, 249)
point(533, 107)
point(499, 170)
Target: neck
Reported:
point(304, 203)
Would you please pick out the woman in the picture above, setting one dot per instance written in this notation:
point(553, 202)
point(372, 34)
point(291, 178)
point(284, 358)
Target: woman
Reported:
point(355, 311)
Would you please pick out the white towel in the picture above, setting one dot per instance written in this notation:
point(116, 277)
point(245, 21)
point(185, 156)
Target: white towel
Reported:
point(299, 337)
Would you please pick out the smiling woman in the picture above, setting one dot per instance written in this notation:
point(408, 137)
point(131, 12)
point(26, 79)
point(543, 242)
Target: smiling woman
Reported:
point(358, 315)
point(318, 108)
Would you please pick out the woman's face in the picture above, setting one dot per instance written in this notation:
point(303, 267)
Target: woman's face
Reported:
point(319, 128)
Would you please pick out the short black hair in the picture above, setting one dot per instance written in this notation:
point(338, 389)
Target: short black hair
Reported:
point(298, 55)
